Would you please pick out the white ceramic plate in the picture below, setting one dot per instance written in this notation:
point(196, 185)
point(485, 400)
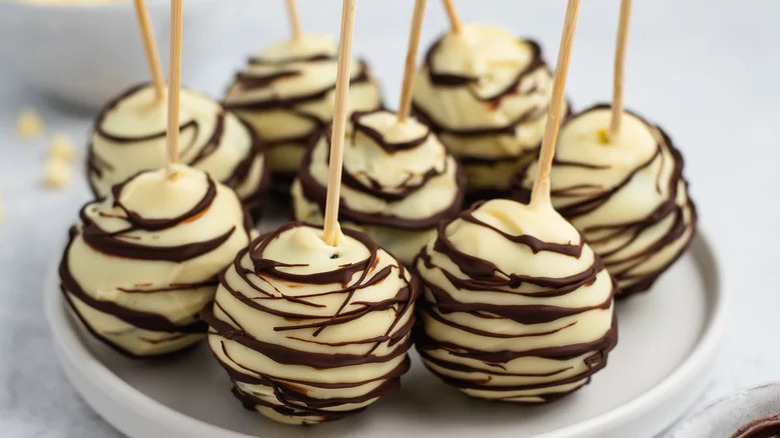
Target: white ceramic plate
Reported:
point(668, 341)
point(727, 415)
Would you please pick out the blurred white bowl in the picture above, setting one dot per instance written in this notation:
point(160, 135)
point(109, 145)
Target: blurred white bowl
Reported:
point(726, 416)
point(85, 52)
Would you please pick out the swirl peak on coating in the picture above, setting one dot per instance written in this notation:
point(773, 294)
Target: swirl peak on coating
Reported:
point(398, 182)
point(129, 137)
point(310, 332)
point(485, 93)
point(287, 95)
point(516, 306)
point(143, 262)
point(627, 196)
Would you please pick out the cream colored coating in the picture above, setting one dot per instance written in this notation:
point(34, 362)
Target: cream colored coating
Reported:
point(494, 58)
point(284, 126)
point(103, 276)
point(501, 334)
point(303, 245)
point(582, 140)
point(29, 125)
point(140, 114)
point(367, 161)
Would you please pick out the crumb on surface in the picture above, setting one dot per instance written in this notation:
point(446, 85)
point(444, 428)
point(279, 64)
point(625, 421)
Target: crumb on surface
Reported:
point(61, 147)
point(603, 136)
point(56, 173)
point(29, 125)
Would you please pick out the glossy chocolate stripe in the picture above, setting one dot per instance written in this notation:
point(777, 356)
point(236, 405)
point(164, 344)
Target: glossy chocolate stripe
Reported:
point(378, 138)
point(259, 60)
point(455, 80)
point(768, 427)
point(615, 258)
point(561, 352)
point(111, 245)
point(137, 221)
point(143, 320)
point(249, 81)
point(316, 193)
point(291, 356)
point(523, 314)
point(96, 165)
point(276, 102)
point(506, 129)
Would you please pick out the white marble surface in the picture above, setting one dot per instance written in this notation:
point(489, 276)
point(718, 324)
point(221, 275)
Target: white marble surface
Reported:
point(706, 70)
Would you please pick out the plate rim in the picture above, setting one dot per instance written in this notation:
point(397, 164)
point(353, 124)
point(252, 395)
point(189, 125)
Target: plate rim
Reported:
point(707, 346)
point(64, 334)
point(696, 418)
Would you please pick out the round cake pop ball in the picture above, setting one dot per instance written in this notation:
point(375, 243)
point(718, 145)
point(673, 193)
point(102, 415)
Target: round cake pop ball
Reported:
point(398, 181)
point(310, 332)
point(516, 306)
point(485, 93)
point(627, 195)
point(130, 136)
point(143, 262)
point(287, 95)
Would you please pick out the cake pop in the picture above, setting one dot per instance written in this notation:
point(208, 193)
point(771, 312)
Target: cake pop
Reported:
point(485, 93)
point(310, 332)
point(516, 306)
point(399, 180)
point(143, 262)
point(129, 136)
point(618, 179)
point(312, 324)
point(286, 94)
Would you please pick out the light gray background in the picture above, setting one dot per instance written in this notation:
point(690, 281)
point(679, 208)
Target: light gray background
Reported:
point(707, 71)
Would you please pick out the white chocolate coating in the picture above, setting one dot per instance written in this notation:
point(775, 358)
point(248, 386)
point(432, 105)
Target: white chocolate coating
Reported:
point(627, 195)
point(398, 182)
point(486, 93)
point(310, 332)
point(139, 268)
point(129, 137)
point(287, 93)
point(516, 307)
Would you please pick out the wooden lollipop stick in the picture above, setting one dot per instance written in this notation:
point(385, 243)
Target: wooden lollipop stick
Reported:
point(331, 226)
point(150, 47)
point(405, 106)
point(295, 22)
point(541, 188)
point(620, 60)
point(453, 14)
point(174, 84)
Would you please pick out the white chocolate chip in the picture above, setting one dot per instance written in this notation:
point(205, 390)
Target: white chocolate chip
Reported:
point(56, 174)
point(29, 125)
point(61, 148)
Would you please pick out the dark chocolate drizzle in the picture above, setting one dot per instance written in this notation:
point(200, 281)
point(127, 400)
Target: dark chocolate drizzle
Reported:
point(291, 397)
point(276, 102)
point(483, 275)
point(590, 197)
point(97, 166)
point(449, 80)
point(247, 81)
point(315, 192)
point(119, 244)
point(768, 427)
